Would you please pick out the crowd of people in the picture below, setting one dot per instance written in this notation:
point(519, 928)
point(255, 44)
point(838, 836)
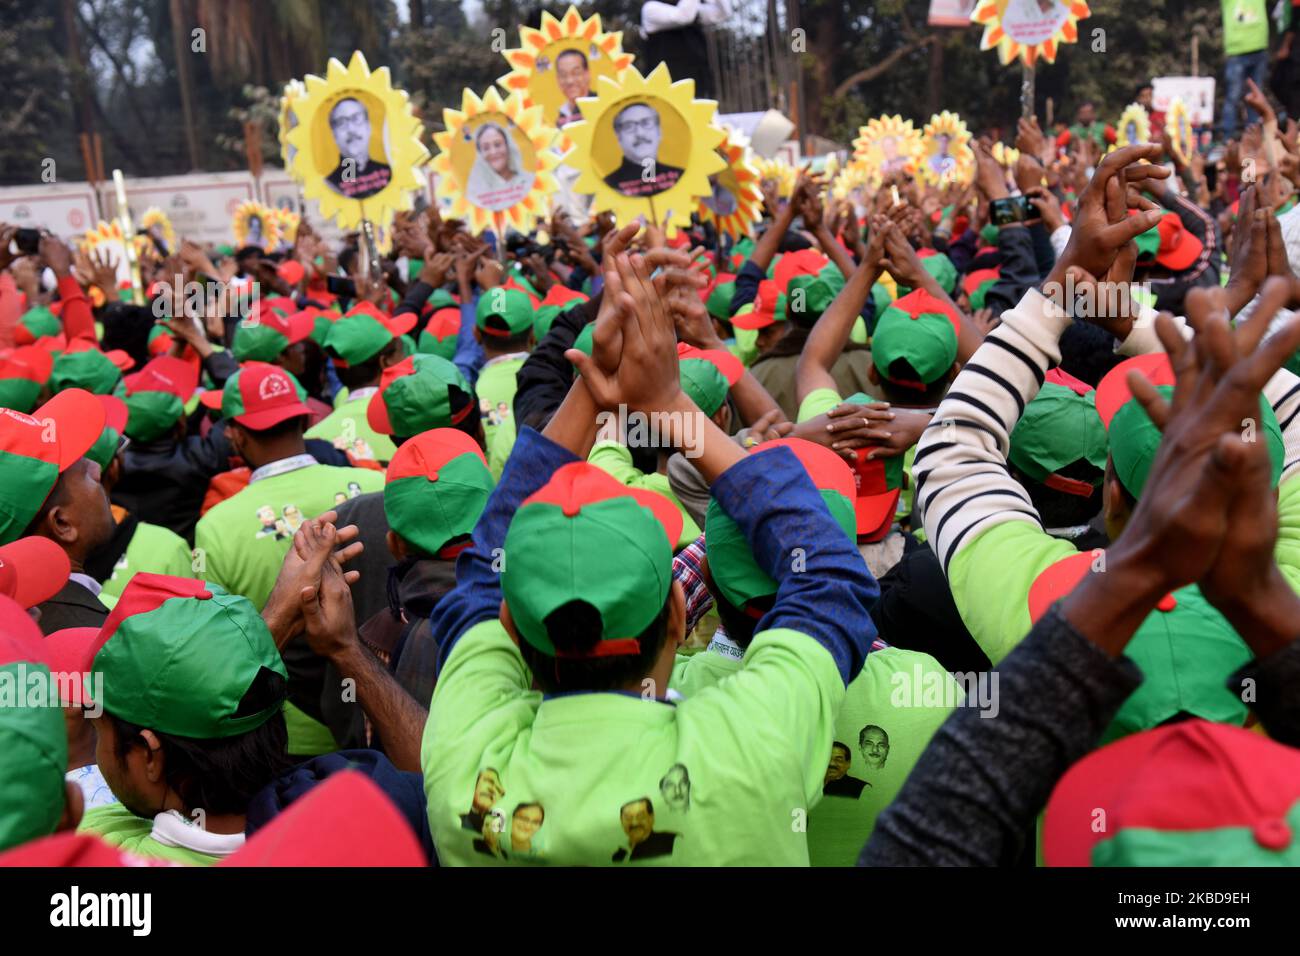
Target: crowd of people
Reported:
point(912, 531)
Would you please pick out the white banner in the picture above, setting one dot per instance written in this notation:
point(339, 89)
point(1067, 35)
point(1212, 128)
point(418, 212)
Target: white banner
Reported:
point(65, 209)
point(199, 205)
point(1197, 92)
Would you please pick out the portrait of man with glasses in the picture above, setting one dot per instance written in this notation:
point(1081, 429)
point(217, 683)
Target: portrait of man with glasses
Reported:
point(639, 135)
point(357, 176)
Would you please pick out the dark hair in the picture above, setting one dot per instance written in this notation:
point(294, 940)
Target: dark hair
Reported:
point(1088, 352)
point(739, 626)
point(576, 627)
point(577, 53)
point(525, 806)
point(646, 800)
point(1142, 86)
point(127, 327)
point(290, 426)
point(1059, 509)
point(313, 362)
point(224, 774)
point(500, 339)
point(368, 372)
point(862, 734)
point(906, 395)
point(845, 747)
point(1129, 498)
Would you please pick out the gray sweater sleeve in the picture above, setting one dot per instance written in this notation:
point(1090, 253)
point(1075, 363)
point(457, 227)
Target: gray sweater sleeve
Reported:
point(978, 787)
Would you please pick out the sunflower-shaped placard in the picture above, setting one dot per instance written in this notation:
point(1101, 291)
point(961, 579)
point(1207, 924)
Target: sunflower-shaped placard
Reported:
point(106, 239)
point(737, 201)
point(947, 156)
point(293, 90)
point(493, 163)
point(1028, 29)
point(646, 147)
point(557, 65)
point(1134, 126)
point(159, 227)
point(255, 225)
point(852, 183)
point(779, 172)
point(287, 220)
point(1006, 156)
point(887, 145)
point(357, 145)
point(1181, 135)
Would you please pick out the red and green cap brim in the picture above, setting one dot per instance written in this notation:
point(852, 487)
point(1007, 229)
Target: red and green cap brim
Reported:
point(544, 319)
point(152, 415)
point(761, 313)
point(1193, 793)
point(703, 384)
point(357, 338)
point(990, 234)
point(879, 486)
point(503, 312)
point(731, 562)
point(919, 330)
point(415, 396)
point(258, 343)
point(39, 322)
point(33, 760)
point(90, 369)
point(438, 501)
point(1059, 427)
point(178, 656)
point(718, 303)
point(562, 544)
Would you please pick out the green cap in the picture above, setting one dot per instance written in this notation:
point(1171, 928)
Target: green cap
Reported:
point(37, 322)
point(503, 312)
point(90, 369)
point(920, 330)
point(978, 284)
point(941, 267)
point(703, 384)
point(442, 299)
point(441, 334)
point(361, 335)
point(1059, 427)
point(718, 303)
point(585, 339)
point(731, 562)
point(415, 395)
point(152, 414)
point(563, 542)
point(990, 234)
point(1148, 244)
point(178, 656)
point(807, 297)
point(544, 319)
point(104, 450)
point(438, 484)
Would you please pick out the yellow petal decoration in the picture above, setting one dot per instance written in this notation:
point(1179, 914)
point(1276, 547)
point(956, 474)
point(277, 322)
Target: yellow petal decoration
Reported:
point(357, 144)
point(1134, 126)
point(1181, 135)
point(780, 172)
point(536, 71)
point(646, 147)
point(946, 153)
point(852, 180)
point(106, 239)
point(494, 163)
point(888, 144)
point(157, 223)
point(737, 201)
point(1028, 29)
point(293, 90)
point(1006, 156)
point(255, 225)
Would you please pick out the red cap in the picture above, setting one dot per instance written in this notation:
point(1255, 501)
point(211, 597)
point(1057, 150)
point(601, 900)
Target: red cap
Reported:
point(423, 455)
point(166, 373)
point(805, 262)
point(120, 359)
point(74, 849)
point(764, 312)
point(876, 503)
point(1113, 391)
point(267, 393)
point(20, 638)
point(78, 420)
point(33, 570)
point(1059, 579)
point(115, 412)
point(562, 295)
point(72, 651)
point(397, 325)
point(826, 469)
point(581, 483)
point(29, 362)
point(444, 322)
point(1178, 247)
point(291, 271)
point(732, 368)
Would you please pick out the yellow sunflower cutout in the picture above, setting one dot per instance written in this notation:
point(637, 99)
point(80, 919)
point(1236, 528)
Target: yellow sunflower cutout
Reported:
point(159, 227)
point(737, 201)
point(1181, 135)
point(255, 225)
point(558, 64)
point(852, 183)
point(947, 156)
point(293, 90)
point(106, 239)
point(1134, 126)
point(886, 145)
point(779, 172)
point(287, 220)
point(1028, 29)
point(1006, 156)
point(646, 147)
point(357, 144)
point(494, 164)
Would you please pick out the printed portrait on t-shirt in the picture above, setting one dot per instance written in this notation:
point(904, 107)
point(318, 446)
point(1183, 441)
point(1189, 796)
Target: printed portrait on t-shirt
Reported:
point(676, 788)
point(637, 817)
point(837, 782)
point(266, 515)
point(873, 745)
point(488, 790)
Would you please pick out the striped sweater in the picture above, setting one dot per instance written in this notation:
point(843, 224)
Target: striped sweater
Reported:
point(979, 520)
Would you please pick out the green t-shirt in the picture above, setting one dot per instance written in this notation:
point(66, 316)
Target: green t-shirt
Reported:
point(242, 541)
point(347, 429)
point(616, 459)
point(495, 389)
point(152, 549)
point(1245, 26)
point(119, 827)
point(723, 778)
point(499, 446)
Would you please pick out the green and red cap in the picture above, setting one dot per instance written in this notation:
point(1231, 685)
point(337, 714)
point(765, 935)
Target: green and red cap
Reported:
point(1133, 438)
point(879, 483)
point(23, 373)
point(562, 543)
point(35, 324)
point(1193, 794)
point(32, 570)
point(707, 375)
point(33, 739)
point(543, 319)
point(563, 296)
point(156, 396)
point(95, 371)
point(804, 262)
point(441, 299)
point(415, 395)
point(364, 332)
point(178, 656)
point(920, 330)
point(1183, 649)
point(940, 267)
point(502, 312)
point(264, 336)
point(1059, 427)
point(807, 297)
point(441, 333)
point(106, 445)
point(717, 296)
point(768, 307)
point(35, 449)
point(732, 563)
point(437, 486)
point(259, 396)
point(978, 283)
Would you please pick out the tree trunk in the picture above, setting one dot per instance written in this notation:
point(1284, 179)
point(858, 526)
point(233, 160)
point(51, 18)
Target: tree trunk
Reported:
point(186, 84)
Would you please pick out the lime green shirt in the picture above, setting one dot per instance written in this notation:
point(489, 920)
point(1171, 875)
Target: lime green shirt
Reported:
point(119, 827)
point(495, 389)
point(723, 778)
point(1245, 26)
point(347, 429)
point(241, 542)
point(153, 549)
point(614, 458)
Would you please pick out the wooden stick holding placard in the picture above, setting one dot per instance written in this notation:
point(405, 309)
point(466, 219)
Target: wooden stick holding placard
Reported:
point(128, 236)
point(499, 226)
point(1026, 91)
